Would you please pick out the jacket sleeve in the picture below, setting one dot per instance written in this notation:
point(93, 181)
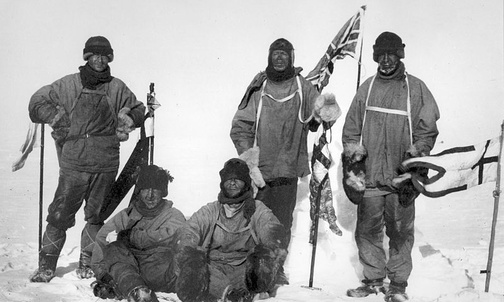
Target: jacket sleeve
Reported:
point(352, 129)
point(424, 120)
point(116, 224)
point(197, 228)
point(243, 125)
point(44, 102)
point(124, 98)
point(267, 227)
point(163, 234)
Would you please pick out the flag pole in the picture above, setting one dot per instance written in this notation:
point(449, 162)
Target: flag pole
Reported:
point(496, 194)
point(361, 37)
point(41, 186)
point(316, 215)
point(151, 113)
point(359, 64)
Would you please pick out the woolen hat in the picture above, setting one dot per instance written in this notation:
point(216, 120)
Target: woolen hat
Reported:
point(99, 46)
point(388, 42)
point(154, 177)
point(235, 168)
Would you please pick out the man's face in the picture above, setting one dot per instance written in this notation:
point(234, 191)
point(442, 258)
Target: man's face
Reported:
point(280, 60)
point(151, 197)
point(233, 187)
point(98, 62)
point(388, 63)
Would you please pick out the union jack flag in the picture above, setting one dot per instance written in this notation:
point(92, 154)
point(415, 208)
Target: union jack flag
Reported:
point(347, 42)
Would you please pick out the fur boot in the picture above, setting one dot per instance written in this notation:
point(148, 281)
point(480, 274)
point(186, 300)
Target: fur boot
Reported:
point(262, 267)
point(194, 277)
point(354, 171)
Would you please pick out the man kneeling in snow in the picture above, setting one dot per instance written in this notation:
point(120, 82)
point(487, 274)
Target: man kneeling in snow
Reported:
point(230, 248)
point(140, 261)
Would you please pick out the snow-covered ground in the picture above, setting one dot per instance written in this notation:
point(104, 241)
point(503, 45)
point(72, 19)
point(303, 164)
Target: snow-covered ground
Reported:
point(451, 248)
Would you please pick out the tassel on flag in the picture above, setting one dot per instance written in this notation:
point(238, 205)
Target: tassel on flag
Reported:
point(347, 42)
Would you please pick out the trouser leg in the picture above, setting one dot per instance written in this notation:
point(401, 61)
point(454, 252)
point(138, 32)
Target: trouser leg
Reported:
point(158, 270)
point(52, 244)
point(281, 199)
point(223, 275)
point(122, 265)
point(369, 237)
point(87, 243)
point(99, 186)
point(400, 229)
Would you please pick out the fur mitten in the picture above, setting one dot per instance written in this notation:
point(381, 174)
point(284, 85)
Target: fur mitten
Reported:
point(125, 124)
point(262, 266)
point(354, 171)
point(251, 157)
point(326, 108)
point(194, 276)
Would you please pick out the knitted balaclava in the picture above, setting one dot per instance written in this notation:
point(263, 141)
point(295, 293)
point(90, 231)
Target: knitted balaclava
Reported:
point(388, 42)
point(154, 177)
point(98, 45)
point(238, 169)
point(280, 44)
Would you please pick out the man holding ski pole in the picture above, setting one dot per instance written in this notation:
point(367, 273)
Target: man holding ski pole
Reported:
point(90, 113)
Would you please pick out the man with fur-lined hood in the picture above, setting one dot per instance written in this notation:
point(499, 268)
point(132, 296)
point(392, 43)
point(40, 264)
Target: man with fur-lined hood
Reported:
point(230, 248)
point(270, 128)
point(392, 117)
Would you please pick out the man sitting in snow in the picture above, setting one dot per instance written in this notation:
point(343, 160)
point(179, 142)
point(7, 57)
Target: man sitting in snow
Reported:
point(140, 261)
point(230, 248)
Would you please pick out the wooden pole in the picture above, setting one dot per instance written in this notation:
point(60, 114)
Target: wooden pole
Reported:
point(151, 138)
point(496, 195)
point(41, 185)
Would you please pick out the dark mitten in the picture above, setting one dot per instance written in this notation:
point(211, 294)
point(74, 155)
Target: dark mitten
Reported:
point(262, 266)
point(104, 288)
point(354, 172)
point(406, 190)
point(124, 236)
point(238, 295)
point(194, 277)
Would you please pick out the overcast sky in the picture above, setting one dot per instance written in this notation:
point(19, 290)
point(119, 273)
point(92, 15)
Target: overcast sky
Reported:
point(201, 55)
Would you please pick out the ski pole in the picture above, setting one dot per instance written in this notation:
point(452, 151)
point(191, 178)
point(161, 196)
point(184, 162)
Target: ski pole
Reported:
point(496, 194)
point(41, 186)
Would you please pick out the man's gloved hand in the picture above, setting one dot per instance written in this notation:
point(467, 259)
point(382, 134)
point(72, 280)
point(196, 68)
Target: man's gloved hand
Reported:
point(124, 236)
point(104, 288)
point(61, 119)
point(125, 124)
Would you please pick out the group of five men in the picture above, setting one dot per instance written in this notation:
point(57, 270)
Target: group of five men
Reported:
point(234, 248)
